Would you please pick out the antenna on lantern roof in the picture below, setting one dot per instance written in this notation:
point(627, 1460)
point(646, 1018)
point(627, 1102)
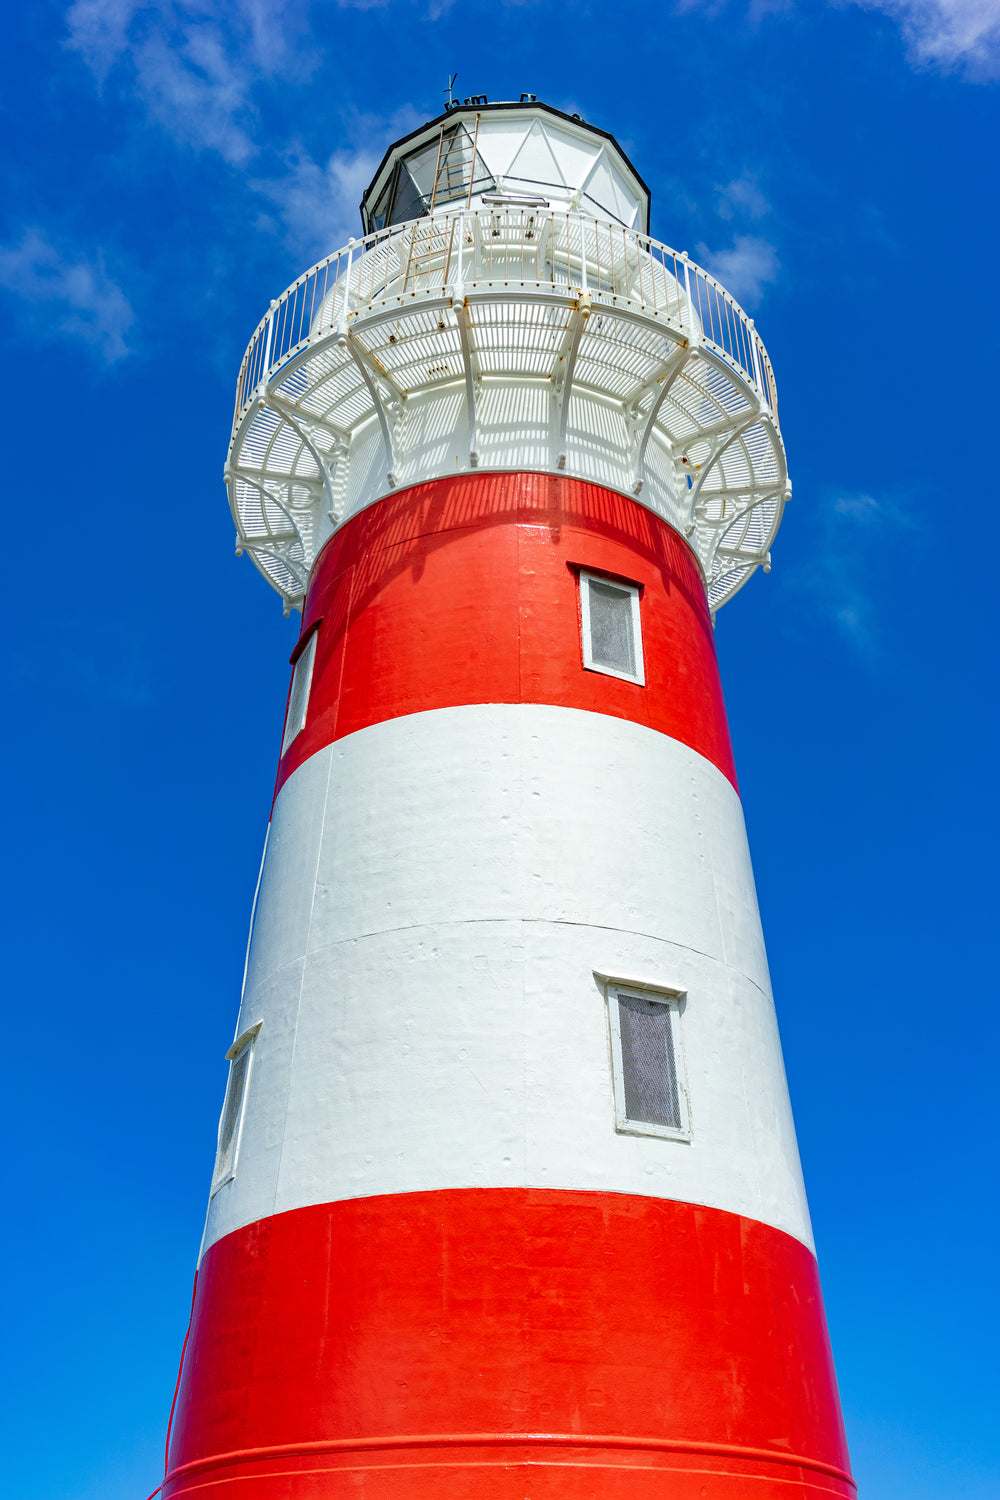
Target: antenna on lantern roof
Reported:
point(451, 85)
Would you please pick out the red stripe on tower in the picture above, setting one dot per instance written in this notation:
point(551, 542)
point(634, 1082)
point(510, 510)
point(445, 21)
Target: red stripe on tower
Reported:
point(465, 590)
point(507, 1345)
point(506, 1193)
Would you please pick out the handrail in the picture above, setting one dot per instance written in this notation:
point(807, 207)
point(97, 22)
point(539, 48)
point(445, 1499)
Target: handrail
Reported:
point(477, 250)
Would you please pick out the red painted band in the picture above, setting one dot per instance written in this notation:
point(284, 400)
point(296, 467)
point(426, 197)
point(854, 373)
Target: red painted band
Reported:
point(180, 1371)
point(335, 1346)
point(465, 590)
point(457, 1440)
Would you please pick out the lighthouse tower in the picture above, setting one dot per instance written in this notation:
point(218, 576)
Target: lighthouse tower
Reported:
point(506, 1201)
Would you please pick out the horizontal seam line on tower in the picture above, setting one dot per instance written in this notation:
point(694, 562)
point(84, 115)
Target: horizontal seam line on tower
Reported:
point(377, 932)
point(468, 1440)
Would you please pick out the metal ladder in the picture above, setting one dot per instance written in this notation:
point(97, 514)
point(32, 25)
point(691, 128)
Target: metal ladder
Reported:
point(454, 175)
point(455, 170)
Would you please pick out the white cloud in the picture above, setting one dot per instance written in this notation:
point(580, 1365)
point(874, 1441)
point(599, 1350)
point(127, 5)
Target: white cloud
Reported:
point(318, 205)
point(851, 535)
point(195, 63)
point(864, 508)
point(949, 34)
point(98, 30)
point(750, 264)
point(741, 198)
point(197, 93)
point(67, 295)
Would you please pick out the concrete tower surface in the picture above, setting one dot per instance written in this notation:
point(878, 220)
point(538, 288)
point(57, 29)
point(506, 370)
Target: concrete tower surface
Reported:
point(507, 1200)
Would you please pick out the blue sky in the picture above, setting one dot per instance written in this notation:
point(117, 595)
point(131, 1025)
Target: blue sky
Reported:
point(168, 170)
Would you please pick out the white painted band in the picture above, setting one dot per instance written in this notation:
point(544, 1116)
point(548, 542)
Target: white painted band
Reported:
point(440, 896)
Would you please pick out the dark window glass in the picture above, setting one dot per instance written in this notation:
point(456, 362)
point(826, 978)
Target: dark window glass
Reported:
point(409, 202)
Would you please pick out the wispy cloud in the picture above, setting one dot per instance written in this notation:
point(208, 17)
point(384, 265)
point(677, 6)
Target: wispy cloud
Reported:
point(748, 265)
point(195, 63)
point(66, 294)
point(953, 35)
point(741, 198)
point(949, 34)
point(317, 206)
point(852, 531)
point(197, 67)
point(99, 31)
point(197, 93)
point(268, 31)
point(756, 9)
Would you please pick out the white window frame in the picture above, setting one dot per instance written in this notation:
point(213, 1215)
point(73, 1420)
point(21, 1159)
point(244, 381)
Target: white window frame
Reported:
point(246, 1041)
point(303, 666)
point(673, 1000)
point(632, 590)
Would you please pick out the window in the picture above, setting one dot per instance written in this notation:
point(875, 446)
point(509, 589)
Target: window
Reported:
point(447, 169)
point(298, 698)
point(609, 614)
point(240, 1056)
point(647, 1063)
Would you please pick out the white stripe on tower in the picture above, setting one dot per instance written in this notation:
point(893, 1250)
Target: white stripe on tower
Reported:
point(438, 893)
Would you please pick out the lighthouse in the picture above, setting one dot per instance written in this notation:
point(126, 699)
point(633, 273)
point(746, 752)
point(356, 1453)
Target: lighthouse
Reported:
point(506, 1200)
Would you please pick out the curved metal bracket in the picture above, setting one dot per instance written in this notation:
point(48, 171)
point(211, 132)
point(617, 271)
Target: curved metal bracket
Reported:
point(371, 374)
point(294, 413)
point(473, 375)
point(300, 425)
point(262, 478)
point(731, 430)
point(562, 379)
point(271, 491)
point(754, 556)
point(271, 544)
point(674, 365)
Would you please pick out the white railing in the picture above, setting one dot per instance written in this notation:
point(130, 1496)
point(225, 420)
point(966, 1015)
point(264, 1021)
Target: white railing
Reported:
point(483, 252)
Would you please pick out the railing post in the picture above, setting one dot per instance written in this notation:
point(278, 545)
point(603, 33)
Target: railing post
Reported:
point(341, 318)
point(265, 372)
point(756, 362)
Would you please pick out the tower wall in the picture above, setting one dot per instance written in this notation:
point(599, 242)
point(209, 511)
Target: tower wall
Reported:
point(440, 1266)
